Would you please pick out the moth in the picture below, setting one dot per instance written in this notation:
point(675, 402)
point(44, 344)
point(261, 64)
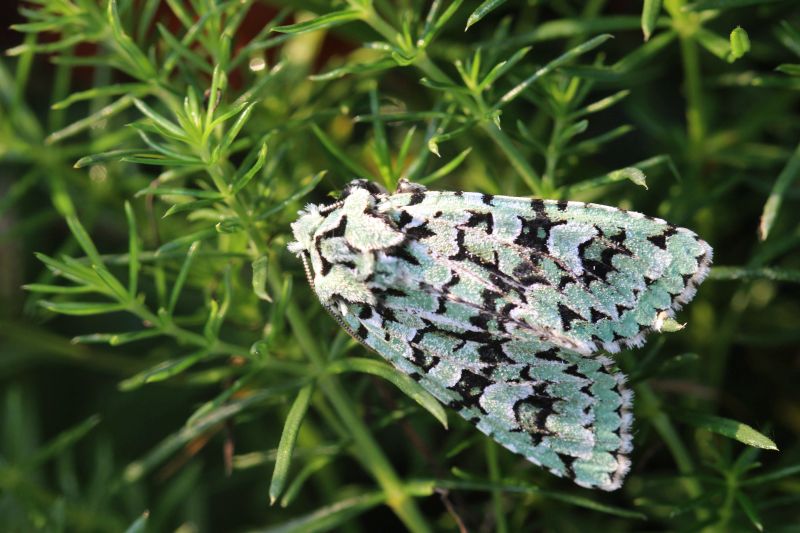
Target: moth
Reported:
point(502, 307)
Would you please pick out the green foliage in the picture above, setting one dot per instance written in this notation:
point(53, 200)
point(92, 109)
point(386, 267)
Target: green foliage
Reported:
point(153, 154)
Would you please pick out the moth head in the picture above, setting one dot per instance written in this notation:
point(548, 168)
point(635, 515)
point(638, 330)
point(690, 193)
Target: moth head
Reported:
point(304, 228)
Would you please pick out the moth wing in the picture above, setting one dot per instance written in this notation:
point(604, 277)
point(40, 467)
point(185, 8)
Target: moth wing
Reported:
point(583, 276)
point(559, 409)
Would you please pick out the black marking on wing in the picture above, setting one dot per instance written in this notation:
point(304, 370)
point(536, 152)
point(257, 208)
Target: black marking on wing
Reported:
point(543, 404)
point(476, 219)
point(338, 231)
point(534, 232)
point(470, 387)
point(401, 251)
point(416, 198)
point(568, 460)
point(549, 355)
point(404, 219)
point(537, 206)
point(567, 316)
point(461, 248)
point(572, 370)
point(596, 316)
point(419, 232)
point(492, 353)
point(661, 240)
point(527, 276)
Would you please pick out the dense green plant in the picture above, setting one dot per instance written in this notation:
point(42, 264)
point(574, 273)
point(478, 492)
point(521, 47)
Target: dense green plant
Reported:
point(153, 154)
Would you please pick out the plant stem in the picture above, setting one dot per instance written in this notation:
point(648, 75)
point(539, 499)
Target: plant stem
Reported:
point(652, 409)
point(429, 68)
point(369, 453)
point(687, 24)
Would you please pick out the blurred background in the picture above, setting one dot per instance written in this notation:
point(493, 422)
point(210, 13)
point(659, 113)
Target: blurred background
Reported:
point(86, 444)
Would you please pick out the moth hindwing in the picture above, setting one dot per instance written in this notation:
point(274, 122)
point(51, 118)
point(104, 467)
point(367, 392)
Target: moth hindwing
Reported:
point(499, 307)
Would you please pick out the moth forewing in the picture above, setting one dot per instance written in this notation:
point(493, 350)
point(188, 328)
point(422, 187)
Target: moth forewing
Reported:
point(498, 306)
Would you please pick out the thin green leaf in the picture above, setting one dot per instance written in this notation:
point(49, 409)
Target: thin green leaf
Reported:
point(131, 89)
point(601, 104)
point(234, 129)
point(164, 125)
point(330, 20)
point(162, 371)
point(523, 488)
point(260, 278)
point(573, 53)
point(74, 271)
point(288, 438)
point(407, 385)
point(103, 114)
point(749, 510)
point(381, 146)
point(482, 10)
point(435, 24)
point(785, 179)
point(112, 155)
point(716, 44)
point(233, 110)
point(182, 275)
point(650, 12)
point(217, 312)
point(139, 64)
point(133, 251)
point(294, 197)
point(356, 68)
point(728, 428)
point(405, 146)
point(446, 169)
point(242, 178)
point(594, 144)
point(140, 524)
point(117, 339)
point(775, 475)
point(188, 206)
point(337, 153)
point(56, 289)
point(791, 69)
point(138, 469)
point(730, 273)
point(499, 70)
point(331, 516)
point(63, 441)
point(313, 466)
point(704, 5)
point(175, 191)
point(186, 240)
point(85, 242)
point(81, 308)
point(565, 28)
point(443, 86)
point(181, 50)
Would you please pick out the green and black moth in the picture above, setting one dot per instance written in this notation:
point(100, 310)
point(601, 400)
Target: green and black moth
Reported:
point(501, 307)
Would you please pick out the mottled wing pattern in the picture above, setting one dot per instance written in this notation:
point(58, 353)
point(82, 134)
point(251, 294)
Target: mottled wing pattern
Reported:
point(583, 276)
point(498, 305)
point(561, 410)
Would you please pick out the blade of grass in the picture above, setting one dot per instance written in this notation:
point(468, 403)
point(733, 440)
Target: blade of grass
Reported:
point(785, 179)
point(291, 427)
